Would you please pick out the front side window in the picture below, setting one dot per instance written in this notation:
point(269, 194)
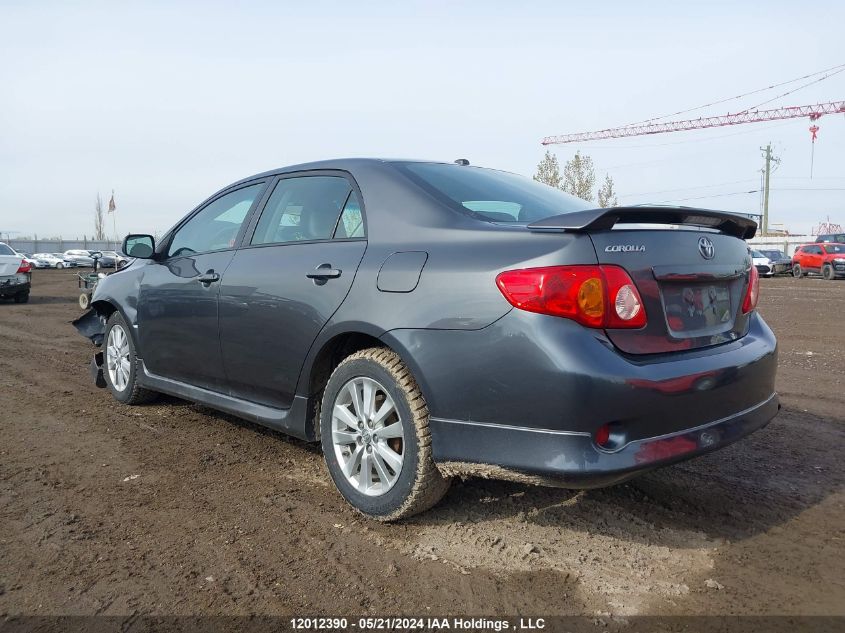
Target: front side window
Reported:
point(492, 195)
point(216, 226)
point(301, 209)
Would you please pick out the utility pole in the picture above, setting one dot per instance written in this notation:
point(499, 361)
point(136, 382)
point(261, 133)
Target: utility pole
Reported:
point(767, 173)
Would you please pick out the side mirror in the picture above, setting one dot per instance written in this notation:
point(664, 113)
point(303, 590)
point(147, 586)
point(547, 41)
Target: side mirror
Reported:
point(140, 246)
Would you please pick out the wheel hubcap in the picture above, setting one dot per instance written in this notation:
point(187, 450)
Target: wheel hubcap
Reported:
point(117, 357)
point(367, 436)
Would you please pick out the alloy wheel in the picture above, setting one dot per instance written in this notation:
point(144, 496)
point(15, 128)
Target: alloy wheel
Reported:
point(367, 436)
point(117, 357)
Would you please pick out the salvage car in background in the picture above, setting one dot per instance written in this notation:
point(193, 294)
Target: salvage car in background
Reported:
point(79, 257)
point(779, 262)
point(762, 263)
point(423, 320)
point(15, 275)
point(825, 259)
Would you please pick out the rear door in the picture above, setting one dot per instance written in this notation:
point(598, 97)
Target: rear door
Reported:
point(692, 283)
point(294, 270)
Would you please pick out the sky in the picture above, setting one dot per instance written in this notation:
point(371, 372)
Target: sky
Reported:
point(165, 103)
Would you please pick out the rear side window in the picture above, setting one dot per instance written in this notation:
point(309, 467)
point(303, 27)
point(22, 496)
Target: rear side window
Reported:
point(216, 226)
point(492, 195)
point(351, 223)
point(303, 208)
point(5, 250)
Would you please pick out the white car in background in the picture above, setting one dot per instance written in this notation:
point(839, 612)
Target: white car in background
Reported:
point(53, 260)
point(15, 275)
point(762, 263)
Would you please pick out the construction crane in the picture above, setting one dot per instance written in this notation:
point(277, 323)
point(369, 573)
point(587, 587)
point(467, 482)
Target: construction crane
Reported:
point(813, 112)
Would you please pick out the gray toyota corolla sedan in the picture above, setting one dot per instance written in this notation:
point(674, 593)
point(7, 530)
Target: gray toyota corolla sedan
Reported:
point(427, 320)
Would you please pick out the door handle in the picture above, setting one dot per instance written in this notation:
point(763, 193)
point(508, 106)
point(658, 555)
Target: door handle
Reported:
point(324, 271)
point(208, 278)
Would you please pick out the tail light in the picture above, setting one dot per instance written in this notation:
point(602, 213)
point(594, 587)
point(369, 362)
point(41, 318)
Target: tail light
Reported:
point(752, 293)
point(25, 266)
point(595, 296)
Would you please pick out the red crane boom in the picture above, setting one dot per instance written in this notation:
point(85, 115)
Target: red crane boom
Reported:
point(793, 112)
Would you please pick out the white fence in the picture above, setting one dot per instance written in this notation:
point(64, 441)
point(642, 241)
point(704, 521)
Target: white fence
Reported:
point(785, 243)
point(60, 246)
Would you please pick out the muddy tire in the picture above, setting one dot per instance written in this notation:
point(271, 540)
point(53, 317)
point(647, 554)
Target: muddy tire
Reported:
point(827, 272)
point(84, 300)
point(22, 297)
point(120, 363)
point(376, 440)
point(797, 272)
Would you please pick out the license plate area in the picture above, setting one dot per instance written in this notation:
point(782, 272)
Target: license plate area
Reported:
point(697, 307)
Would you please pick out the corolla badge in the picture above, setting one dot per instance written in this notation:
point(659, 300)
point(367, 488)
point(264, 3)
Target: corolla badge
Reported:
point(706, 248)
point(625, 248)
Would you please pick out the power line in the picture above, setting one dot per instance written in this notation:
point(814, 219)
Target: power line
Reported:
point(721, 184)
point(746, 94)
point(750, 191)
point(789, 92)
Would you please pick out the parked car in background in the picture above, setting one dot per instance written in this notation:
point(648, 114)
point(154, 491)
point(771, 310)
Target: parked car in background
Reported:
point(113, 259)
point(15, 275)
point(79, 257)
point(51, 260)
point(425, 320)
point(68, 263)
point(778, 261)
point(838, 238)
point(762, 263)
point(825, 259)
point(34, 263)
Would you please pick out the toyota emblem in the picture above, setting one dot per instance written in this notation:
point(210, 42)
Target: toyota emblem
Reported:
point(706, 248)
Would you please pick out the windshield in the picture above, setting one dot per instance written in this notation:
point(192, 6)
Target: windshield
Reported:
point(835, 248)
point(757, 254)
point(492, 195)
point(773, 254)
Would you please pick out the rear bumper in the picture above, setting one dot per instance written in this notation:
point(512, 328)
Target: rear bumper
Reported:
point(527, 394)
point(14, 285)
point(573, 460)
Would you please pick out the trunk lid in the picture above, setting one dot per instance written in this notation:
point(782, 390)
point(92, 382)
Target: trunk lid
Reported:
point(689, 265)
point(9, 264)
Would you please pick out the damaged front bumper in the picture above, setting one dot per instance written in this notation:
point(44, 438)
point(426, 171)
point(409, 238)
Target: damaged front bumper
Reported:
point(92, 326)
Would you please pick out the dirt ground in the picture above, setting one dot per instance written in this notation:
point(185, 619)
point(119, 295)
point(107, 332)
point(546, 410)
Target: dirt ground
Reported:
point(173, 508)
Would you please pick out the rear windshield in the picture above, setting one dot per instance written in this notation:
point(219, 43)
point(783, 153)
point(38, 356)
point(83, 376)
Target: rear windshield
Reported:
point(5, 250)
point(492, 195)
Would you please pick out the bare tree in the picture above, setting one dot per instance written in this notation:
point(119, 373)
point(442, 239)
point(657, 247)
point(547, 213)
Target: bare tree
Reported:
point(607, 196)
point(579, 177)
point(548, 171)
point(99, 220)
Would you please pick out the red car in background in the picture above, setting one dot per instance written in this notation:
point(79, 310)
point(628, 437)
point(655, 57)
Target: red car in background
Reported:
point(825, 259)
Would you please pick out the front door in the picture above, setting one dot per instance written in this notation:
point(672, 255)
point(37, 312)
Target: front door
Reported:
point(177, 309)
point(287, 281)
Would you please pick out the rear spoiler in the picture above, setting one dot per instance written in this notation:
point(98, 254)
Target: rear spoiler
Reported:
point(604, 219)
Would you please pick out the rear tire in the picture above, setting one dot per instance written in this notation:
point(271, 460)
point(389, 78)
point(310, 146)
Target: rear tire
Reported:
point(389, 477)
point(120, 363)
point(827, 272)
point(797, 272)
point(23, 297)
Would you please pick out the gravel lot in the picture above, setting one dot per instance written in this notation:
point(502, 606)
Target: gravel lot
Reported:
point(173, 508)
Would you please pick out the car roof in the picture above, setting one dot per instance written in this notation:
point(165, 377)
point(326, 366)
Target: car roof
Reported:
point(344, 164)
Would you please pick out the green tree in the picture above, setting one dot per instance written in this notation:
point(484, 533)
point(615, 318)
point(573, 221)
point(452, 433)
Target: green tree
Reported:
point(607, 196)
point(548, 171)
point(579, 177)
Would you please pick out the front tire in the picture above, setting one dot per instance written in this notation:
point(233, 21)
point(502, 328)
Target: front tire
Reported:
point(376, 439)
point(59, 266)
point(797, 272)
point(827, 272)
point(22, 297)
point(121, 363)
